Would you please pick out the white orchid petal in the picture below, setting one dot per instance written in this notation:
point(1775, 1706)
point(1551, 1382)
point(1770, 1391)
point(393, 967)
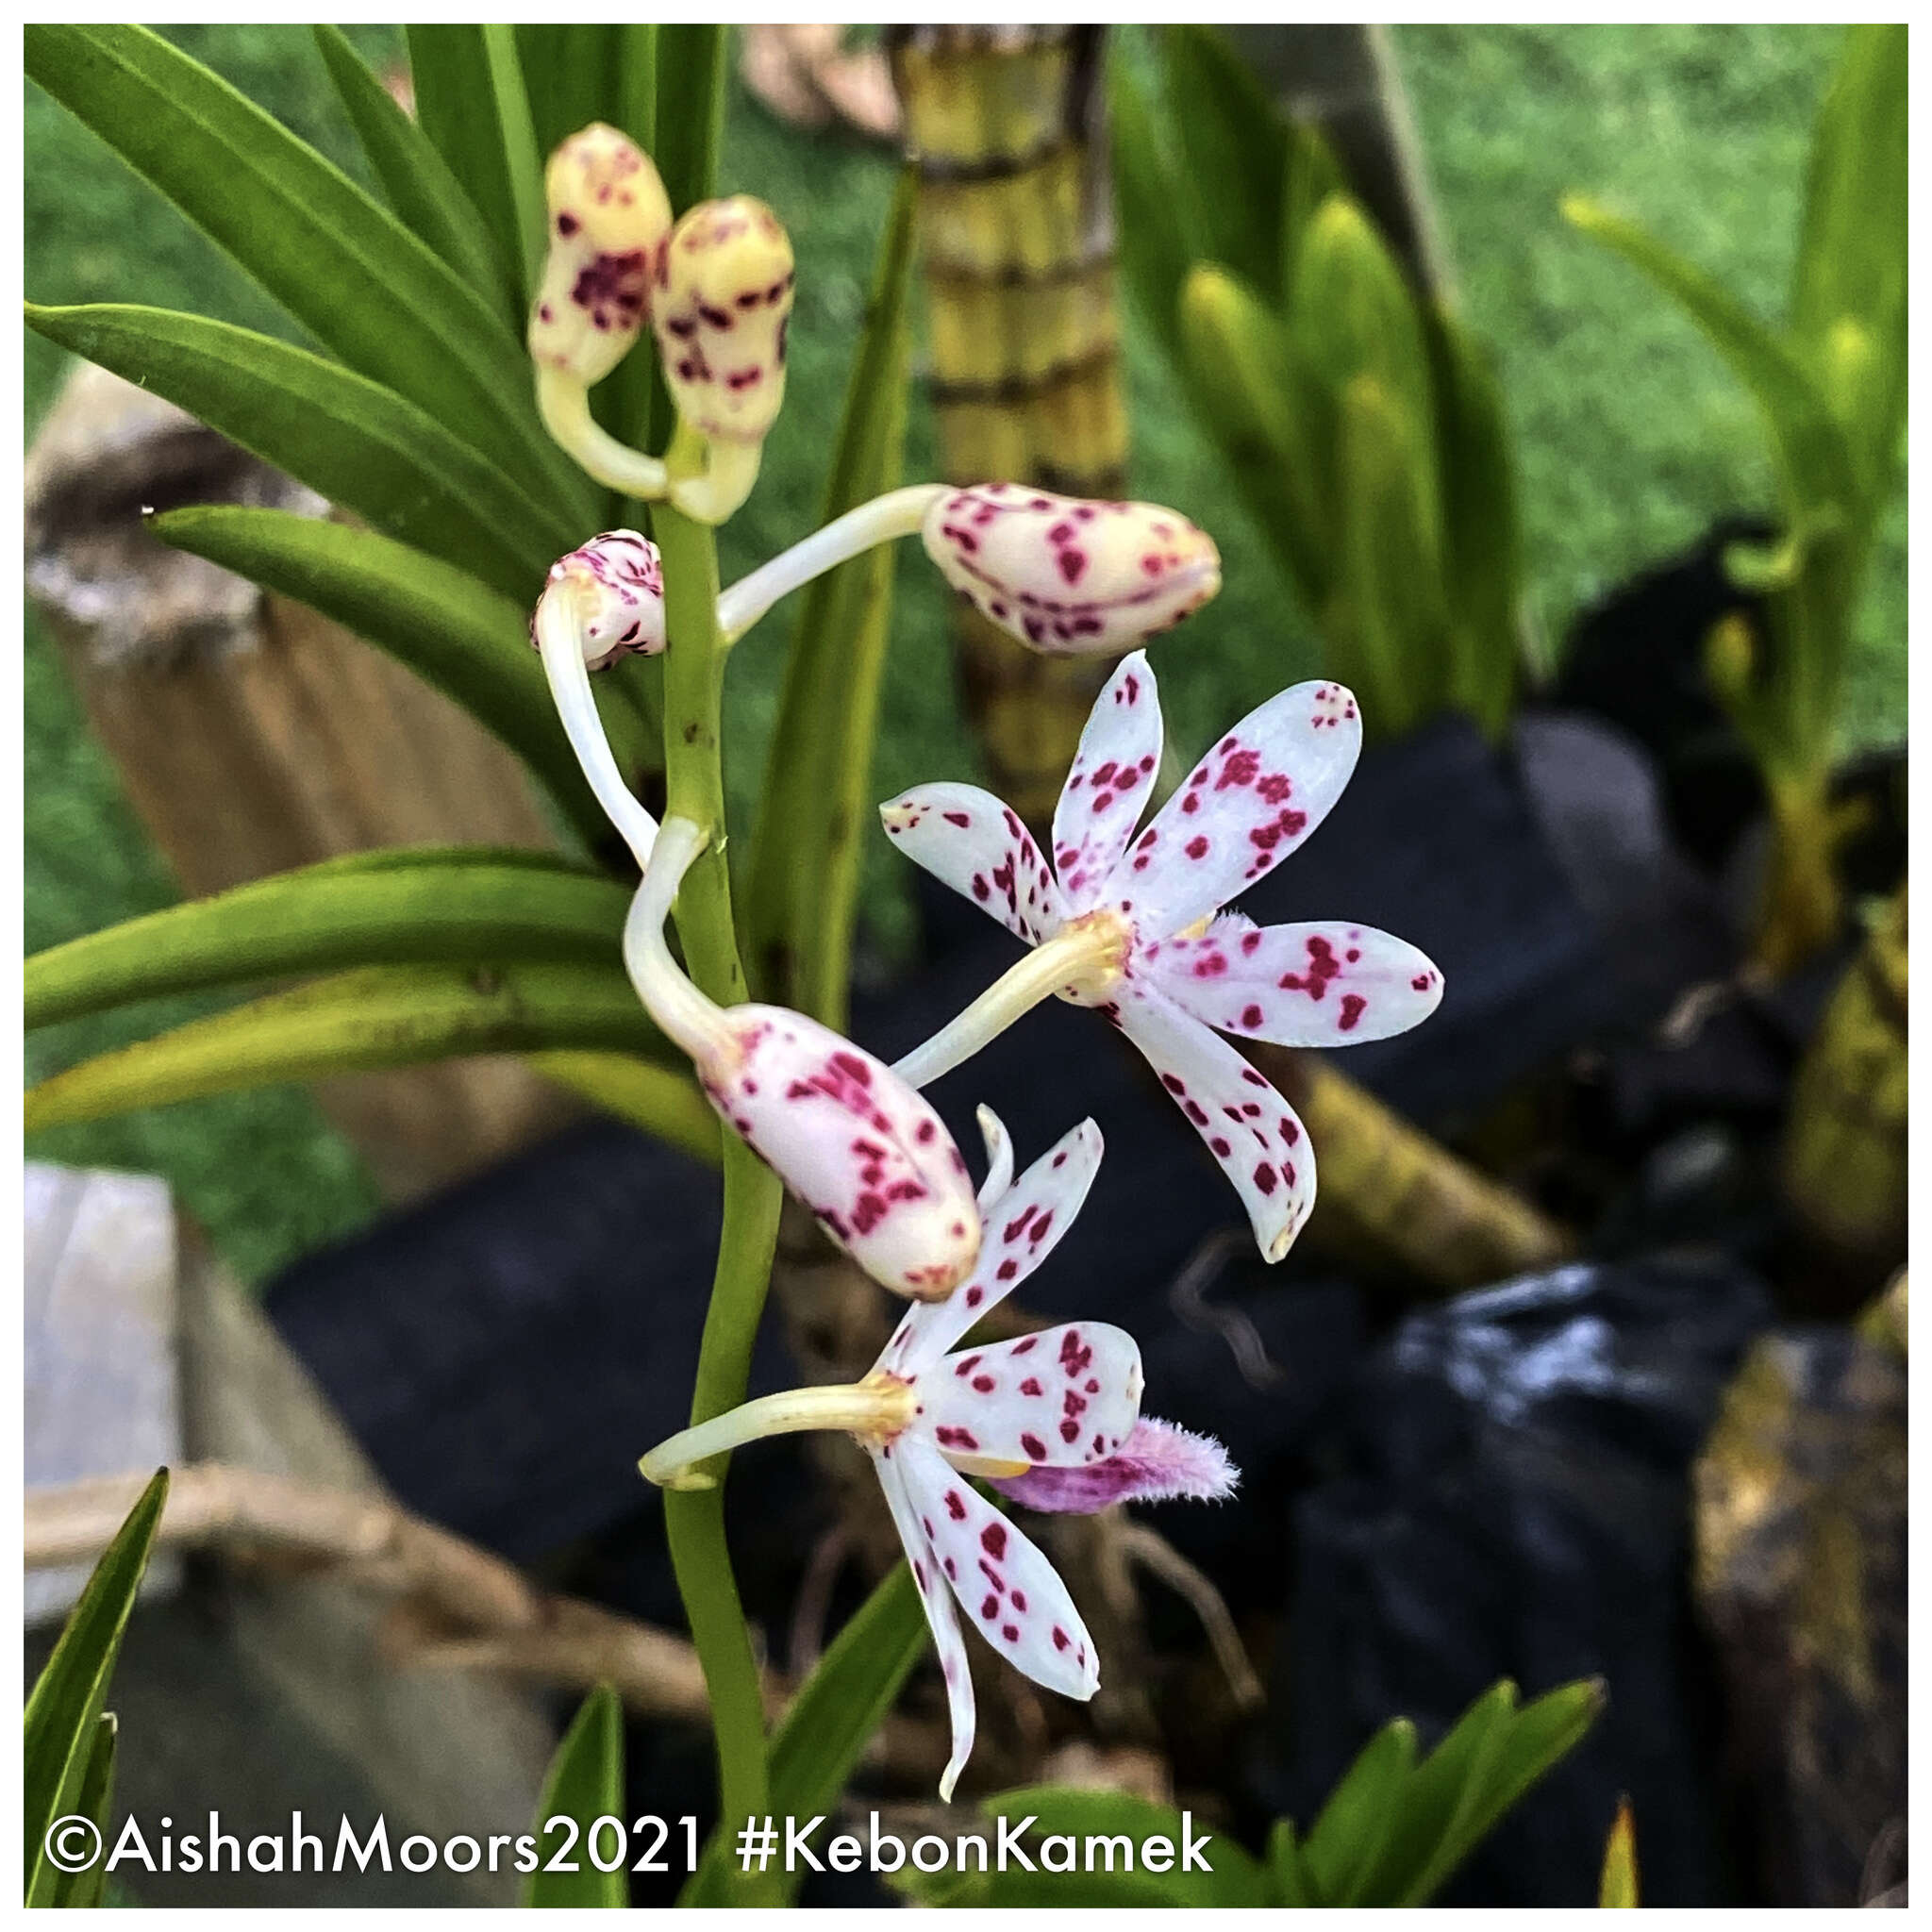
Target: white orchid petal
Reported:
point(865, 1152)
point(941, 1617)
point(616, 584)
point(1009, 1592)
point(1110, 783)
point(1254, 798)
point(1249, 1128)
point(1066, 1397)
point(1322, 983)
point(968, 840)
point(1022, 1228)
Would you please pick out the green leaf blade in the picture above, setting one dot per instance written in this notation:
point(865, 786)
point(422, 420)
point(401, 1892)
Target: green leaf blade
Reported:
point(63, 1710)
point(585, 1783)
point(1233, 147)
point(1347, 1839)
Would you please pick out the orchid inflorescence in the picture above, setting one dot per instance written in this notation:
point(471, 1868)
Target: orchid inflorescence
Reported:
point(1126, 919)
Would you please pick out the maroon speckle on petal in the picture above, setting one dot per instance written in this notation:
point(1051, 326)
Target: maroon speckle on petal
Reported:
point(955, 1507)
point(1060, 1639)
point(1197, 847)
point(1034, 1448)
point(992, 1539)
point(1251, 1016)
point(1020, 1600)
point(1265, 1178)
point(1353, 1006)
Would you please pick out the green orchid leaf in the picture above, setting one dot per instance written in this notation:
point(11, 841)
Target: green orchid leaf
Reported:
point(340, 263)
point(380, 1016)
point(1347, 1839)
point(61, 1752)
point(1811, 447)
point(1386, 625)
point(471, 105)
point(360, 445)
point(1150, 203)
point(1313, 176)
point(658, 1097)
point(421, 185)
point(1482, 538)
point(1287, 1868)
point(818, 1742)
point(82, 1891)
point(1233, 1877)
point(454, 632)
point(1252, 387)
point(585, 1784)
point(1234, 146)
point(693, 65)
point(1851, 271)
point(814, 818)
point(571, 74)
point(328, 918)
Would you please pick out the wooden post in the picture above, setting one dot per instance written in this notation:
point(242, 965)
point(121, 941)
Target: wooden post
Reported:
point(253, 735)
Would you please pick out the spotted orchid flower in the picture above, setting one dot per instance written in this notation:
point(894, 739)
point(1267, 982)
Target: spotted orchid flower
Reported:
point(1059, 1405)
point(1128, 923)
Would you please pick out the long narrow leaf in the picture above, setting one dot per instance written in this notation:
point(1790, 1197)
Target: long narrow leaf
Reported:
point(81, 1891)
point(420, 184)
point(824, 1731)
point(806, 863)
point(325, 920)
point(362, 446)
point(1234, 146)
point(585, 1784)
point(1347, 1839)
point(454, 632)
point(65, 1705)
point(650, 1094)
point(693, 63)
point(1155, 244)
point(340, 263)
point(384, 1016)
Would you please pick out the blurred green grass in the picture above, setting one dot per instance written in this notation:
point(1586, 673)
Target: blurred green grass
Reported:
point(1631, 437)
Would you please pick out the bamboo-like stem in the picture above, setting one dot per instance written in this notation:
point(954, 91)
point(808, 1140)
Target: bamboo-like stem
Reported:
point(694, 1520)
point(884, 519)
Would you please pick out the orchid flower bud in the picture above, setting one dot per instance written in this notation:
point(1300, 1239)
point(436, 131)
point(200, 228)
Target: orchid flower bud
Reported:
point(610, 218)
point(863, 1150)
point(617, 586)
point(1070, 579)
point(722, 299)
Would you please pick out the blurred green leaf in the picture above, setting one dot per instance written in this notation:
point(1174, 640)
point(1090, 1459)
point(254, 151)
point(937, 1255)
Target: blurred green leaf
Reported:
point(693, 65)
point(1252, 387)
point(1852, 262)
point(1386, 622)
point(826, 1728)
point(1811, 448)
point(64, 1712)
point(470, 101)
point(82, 1891)
point(1293, 1883)
point(1353, 311)
point(569, 72)
point(420, 184)
point(1482, 538)
point(1312, 177)
point(1342, 1849)
point(340, 263)
point(453, 909)
point(1150, 201)
point(813, 817)
point(1234, 1878)
point(358, 445)
point(380, 1016)
point(454, 632)
point(661, 1099)
point(1234, 146)
point(1617, 1887)
point(585, 1783)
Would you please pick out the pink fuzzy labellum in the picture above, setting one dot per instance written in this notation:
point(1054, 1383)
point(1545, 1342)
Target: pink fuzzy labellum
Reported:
point(1070, 579)
point(1159, 1462)
point(619, 589)
point(861, 1149)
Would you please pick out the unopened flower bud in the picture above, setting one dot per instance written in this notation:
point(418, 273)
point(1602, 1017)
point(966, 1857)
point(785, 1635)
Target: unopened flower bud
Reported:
point(860, 1147)
point(1070, 577)
point(610, 218)
point(719, 308)
point(616, 584)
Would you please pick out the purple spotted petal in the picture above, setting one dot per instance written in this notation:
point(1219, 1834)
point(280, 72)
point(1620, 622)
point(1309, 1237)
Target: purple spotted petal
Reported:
point(861, 1149)
point(1065, 1395)
point(1109, 784)
point(1067, 576)
point(1249, 1128)
point(1322, 984)
point(1263, 788)
point(1159, 1462)
point(1024, 1226)
point(969, 840)
point(1009, 1592)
